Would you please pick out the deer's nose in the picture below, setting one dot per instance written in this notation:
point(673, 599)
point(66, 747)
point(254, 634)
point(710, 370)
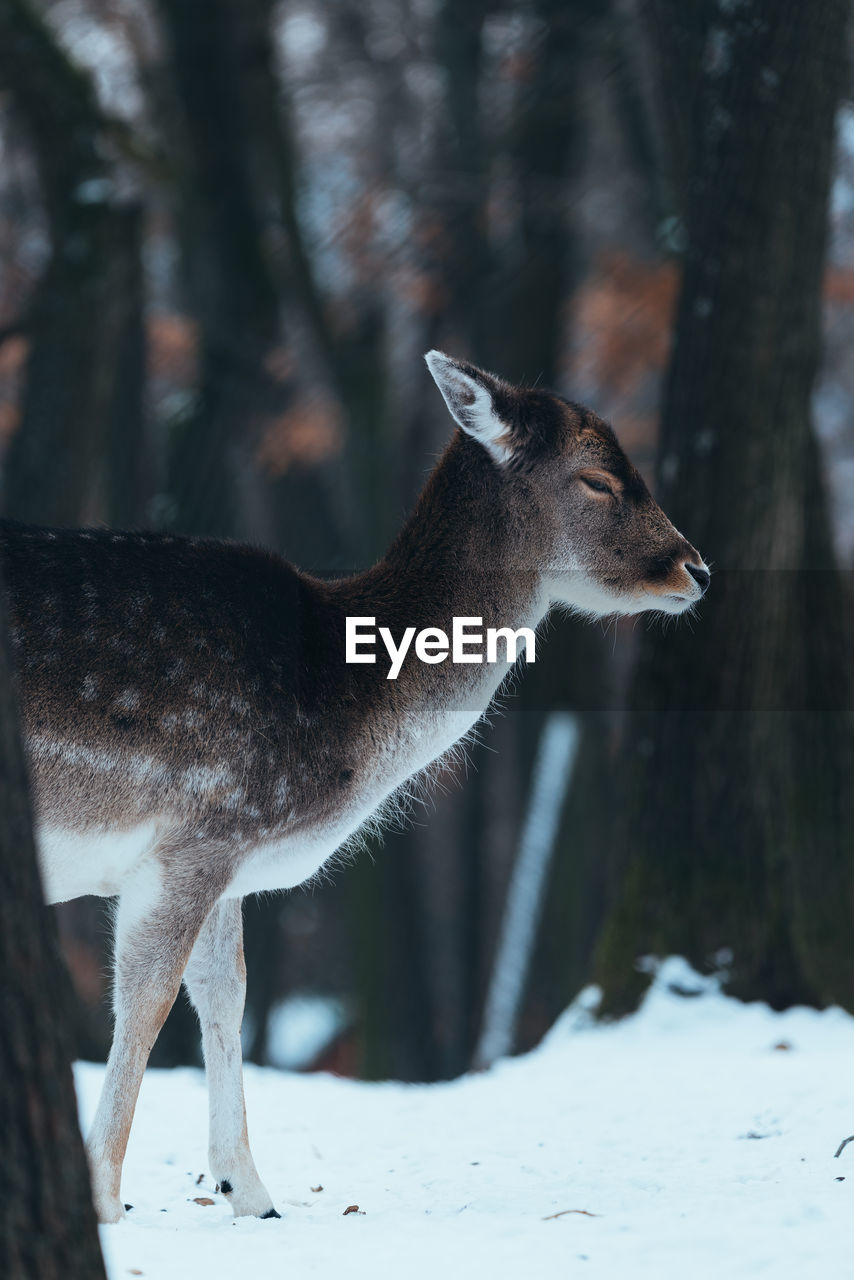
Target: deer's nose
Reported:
point(699, 573)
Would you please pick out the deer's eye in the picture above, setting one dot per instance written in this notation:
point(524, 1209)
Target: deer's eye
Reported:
point(597, 485)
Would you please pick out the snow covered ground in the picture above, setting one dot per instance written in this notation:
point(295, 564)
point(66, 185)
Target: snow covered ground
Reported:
point(695, 1139)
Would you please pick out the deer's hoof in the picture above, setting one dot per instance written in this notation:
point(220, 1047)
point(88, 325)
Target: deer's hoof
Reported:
point(248, 1196)
point(109, 1208)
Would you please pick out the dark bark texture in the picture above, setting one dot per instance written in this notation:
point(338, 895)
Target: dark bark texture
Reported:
point(76, 455)
point(218, 54)
point(733, 827)
point(48, 1223)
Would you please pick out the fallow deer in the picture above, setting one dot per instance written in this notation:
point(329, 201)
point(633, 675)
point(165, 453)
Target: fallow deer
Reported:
point(194, 733)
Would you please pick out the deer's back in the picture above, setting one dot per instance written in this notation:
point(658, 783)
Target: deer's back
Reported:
point(168, 679)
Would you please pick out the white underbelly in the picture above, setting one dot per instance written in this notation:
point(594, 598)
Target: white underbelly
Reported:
point(73, 864)
point(292, 860)
point(281, 865)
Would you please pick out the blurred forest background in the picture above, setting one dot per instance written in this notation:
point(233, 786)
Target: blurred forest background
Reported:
point(229, 229)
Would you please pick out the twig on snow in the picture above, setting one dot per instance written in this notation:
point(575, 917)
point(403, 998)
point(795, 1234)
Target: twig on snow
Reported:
point(587, 1214)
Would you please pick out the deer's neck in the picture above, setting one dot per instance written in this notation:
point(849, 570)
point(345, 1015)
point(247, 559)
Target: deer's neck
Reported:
point(463, 553)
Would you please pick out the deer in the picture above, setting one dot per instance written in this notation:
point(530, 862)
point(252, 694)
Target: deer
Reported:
point(194, 735)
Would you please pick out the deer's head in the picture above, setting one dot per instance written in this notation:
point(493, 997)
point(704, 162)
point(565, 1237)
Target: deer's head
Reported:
point(602, 544)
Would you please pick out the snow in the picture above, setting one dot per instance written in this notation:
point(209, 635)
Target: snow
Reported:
point(682, 1141)
point(301, 1027)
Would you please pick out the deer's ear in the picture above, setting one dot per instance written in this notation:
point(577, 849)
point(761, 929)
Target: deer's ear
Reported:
point(476, 400)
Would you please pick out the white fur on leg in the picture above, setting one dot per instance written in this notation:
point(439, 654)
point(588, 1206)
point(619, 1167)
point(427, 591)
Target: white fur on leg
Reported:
point(216, 981)
point(155, 932)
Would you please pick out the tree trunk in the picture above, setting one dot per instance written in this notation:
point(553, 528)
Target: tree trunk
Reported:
point(216, 48)
point(49, 1230)
point(734, 825)
point(243, 265)
point(534, 277)
point(502, 305)
point(75, 455)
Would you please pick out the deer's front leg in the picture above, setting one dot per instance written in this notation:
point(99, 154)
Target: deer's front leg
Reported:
point(156, 927)
point(216, 981)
